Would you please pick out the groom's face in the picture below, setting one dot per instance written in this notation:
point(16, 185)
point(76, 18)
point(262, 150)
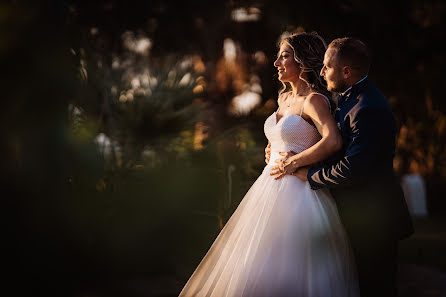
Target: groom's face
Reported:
point(332, 72)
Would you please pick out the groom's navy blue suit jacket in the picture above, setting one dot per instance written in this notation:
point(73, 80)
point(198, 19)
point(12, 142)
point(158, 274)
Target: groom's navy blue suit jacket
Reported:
point(361, 176)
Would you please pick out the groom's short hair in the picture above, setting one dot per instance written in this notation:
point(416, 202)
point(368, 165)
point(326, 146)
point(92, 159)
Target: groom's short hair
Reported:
point(352, 52)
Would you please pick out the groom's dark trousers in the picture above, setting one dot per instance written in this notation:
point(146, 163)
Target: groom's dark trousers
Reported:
point(369, 198)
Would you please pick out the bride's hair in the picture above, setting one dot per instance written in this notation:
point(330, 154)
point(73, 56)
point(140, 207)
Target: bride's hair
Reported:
point(309, 50)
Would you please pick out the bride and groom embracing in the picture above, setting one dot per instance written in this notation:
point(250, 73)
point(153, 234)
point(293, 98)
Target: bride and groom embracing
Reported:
point(325, 216)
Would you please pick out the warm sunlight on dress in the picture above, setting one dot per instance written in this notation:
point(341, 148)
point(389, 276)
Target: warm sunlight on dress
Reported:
point(284, 239)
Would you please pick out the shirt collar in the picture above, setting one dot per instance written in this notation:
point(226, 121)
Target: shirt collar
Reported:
point(358, 82)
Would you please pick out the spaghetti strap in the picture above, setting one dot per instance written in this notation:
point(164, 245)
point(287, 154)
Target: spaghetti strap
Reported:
point(302, 109)
point(326, 99)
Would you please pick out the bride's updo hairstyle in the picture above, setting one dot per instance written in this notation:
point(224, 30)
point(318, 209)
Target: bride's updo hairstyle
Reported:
point(309, 50)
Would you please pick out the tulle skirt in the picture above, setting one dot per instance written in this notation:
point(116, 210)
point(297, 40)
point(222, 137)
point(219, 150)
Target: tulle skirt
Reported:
point(284, 239)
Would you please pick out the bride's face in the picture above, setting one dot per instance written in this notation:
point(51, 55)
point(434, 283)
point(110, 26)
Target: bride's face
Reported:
point(288, 69)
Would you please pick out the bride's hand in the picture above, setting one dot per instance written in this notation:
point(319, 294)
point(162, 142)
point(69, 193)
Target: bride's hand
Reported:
point(286, 165)
point(268, 152)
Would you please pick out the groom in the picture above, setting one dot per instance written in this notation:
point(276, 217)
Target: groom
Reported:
point(361, 177)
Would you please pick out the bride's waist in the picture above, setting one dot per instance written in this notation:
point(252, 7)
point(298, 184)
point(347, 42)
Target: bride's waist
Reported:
point(275, 154)
point(296, 149)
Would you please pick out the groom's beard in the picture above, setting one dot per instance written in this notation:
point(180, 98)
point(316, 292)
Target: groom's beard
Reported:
point(340, 87)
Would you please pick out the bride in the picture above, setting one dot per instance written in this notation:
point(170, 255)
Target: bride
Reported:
point(285, 239)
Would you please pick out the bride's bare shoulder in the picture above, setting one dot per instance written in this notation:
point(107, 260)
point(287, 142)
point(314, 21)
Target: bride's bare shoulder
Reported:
point(318, 100)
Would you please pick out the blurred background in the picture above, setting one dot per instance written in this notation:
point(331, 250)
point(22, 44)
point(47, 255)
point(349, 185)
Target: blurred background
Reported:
point(132, 129)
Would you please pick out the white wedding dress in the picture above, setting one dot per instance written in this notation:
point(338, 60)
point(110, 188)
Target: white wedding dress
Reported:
point(284, 239)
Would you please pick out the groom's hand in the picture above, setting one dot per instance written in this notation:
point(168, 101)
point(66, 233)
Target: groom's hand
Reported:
point(302, 173)
point(286, 166)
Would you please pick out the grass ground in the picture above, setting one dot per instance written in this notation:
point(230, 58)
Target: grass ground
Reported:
point(422, 257)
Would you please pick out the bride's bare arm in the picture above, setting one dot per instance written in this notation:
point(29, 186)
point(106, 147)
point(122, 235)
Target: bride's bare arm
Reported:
point(317, 108)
